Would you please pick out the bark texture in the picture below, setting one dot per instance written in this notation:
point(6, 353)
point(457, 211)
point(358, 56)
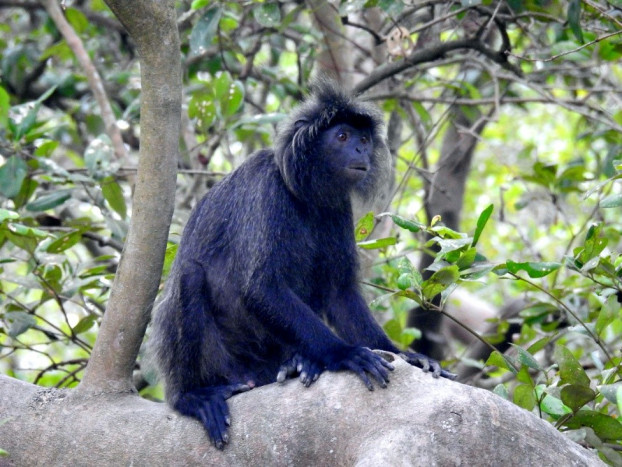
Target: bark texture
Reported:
point(417, 420)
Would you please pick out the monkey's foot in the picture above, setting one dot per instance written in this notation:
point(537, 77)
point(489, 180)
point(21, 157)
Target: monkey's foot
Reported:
point(209, 406)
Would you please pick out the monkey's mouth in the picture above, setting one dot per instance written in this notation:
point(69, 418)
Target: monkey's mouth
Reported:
point(357, 171)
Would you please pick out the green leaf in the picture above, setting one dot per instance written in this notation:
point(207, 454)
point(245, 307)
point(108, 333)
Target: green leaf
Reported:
point(550, 404)
point(20, 229)
point(466, 259)
point(393, 328)
point(524, 376)
point(526, 358)
point(378, 243)
point(481, 223)
point(169, 256)
point(77, 19)
point(267, 14)
point(46, 148)
point(440, 280)
point(570, 370)
point(410, 294)
point(412, 226)
point(447, 233)
point(19, 322)
point(408, 335)
point(499, 360)
point(612, 392)
point(113, 194)
point(49, 200)
point(230, 94)
point(540, 344)
point(12, 175)
point(576, 396)
point(5, 107)
point(85, 324)
point(364, 227)
point(203, 108)
point(6, 214)
point(204, 31)
point(606, 428)
point(524, 396)
point(198, 4)
point(594, 243)
point(612, 201)
point(574, 19)
point(608, 312)
point(533, 269)
point(64, 242)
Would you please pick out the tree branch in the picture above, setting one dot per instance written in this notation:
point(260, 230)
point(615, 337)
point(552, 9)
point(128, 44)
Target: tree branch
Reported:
point(430, 54)
point(92, 75)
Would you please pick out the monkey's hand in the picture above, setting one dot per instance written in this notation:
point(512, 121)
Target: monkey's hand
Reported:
point(427, 364)
point(308, 370)
point(362, 361)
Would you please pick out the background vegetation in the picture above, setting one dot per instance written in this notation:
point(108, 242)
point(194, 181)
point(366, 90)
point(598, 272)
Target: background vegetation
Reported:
point(504, 119)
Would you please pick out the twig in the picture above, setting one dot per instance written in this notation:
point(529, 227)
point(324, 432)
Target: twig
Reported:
point(92, 75)
point(568, 52)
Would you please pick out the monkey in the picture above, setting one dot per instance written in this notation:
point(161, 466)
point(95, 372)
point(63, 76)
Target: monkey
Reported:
point(267, 258)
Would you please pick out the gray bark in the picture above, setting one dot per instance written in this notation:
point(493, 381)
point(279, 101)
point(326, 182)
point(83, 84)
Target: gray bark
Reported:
point(153, 25)
point(417, 420)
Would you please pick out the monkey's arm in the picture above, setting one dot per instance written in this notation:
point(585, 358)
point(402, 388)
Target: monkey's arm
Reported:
point(352, 319)
point(286, 315)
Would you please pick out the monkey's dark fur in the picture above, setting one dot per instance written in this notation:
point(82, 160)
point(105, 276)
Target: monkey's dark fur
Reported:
point(266, 256)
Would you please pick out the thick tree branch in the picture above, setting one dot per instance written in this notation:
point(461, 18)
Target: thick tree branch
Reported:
point(417, 420)
point(153, 26)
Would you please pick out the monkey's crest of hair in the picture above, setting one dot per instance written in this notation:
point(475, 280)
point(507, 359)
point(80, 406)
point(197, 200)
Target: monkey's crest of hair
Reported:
point(328, 104)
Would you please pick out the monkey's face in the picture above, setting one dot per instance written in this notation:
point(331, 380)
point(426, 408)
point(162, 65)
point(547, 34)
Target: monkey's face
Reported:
point(348, 151)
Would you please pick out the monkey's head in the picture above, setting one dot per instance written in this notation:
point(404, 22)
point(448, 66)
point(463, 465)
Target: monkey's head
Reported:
point(332, 145)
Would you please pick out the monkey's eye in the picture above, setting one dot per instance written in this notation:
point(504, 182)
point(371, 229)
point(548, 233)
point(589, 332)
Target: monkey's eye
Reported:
point(342, 136)
point(364, 139)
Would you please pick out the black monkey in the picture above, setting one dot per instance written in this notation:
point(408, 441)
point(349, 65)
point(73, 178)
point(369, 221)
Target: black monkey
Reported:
point(266, 256)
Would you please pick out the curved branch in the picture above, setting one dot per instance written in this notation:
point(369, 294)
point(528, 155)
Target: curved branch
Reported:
point(430, 54)
point(92, 75)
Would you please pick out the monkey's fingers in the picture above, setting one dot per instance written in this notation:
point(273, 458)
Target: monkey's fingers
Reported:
point(287, 370)
point(356, 368)
point(309, 373)
point(234, 389)
point(448, 374)
point(364, 362)
point(427, 364)
point(214, 415)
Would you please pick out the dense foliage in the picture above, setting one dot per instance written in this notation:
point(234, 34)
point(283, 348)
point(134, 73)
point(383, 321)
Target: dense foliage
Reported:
point(535, 84)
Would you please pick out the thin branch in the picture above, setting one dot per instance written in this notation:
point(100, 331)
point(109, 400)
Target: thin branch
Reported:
point(568, 52)
point(92, 75)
